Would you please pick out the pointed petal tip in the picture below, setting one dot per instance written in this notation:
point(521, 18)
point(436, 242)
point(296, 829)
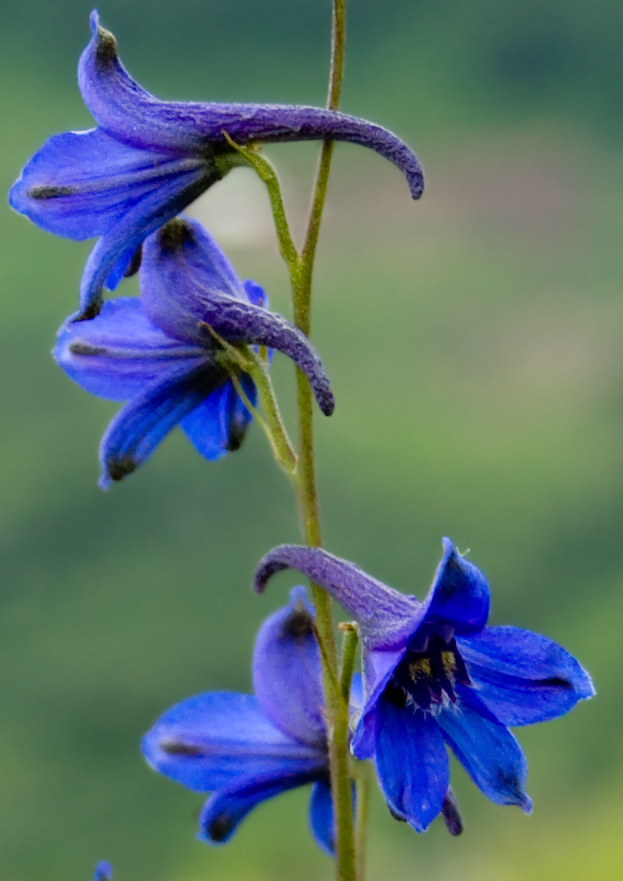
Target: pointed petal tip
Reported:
point(94, 20)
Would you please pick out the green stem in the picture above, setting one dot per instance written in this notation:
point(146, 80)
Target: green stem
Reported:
point(364, 785)
point(349, 654)
point(273, 427)
point(245, 358)
point(268, 174)
point(337, 707)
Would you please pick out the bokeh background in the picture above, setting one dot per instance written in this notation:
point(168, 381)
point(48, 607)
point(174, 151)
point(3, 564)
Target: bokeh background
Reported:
point(474, 341)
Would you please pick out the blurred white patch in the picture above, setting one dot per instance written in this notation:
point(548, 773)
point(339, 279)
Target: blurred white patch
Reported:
point(237, 211)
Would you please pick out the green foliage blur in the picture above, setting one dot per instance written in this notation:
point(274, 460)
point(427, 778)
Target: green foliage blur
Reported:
point(474, 341)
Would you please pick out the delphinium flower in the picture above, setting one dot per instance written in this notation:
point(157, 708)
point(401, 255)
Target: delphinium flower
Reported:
point(148, 159)
point(435, 674)
point(103, 872)
point(158, 351)
point(245, 748)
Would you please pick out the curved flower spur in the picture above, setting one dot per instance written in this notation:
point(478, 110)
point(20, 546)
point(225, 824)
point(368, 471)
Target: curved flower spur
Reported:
point(148, 159)
point(155, 353)
point(435, 674)
point(244, 748)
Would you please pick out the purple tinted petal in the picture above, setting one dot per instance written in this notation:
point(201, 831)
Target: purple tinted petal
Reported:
point(186, 283)
point(122, 107)
point(212, 740)
point(378, 667)
point(459, 596)
point(486, 749)
point(411, 763)
point(218, 425)
point(103, 872)
point(387, 618)
point(523, 677)
point(223, 812)
point(140, 426)
point(117, 353)
point(141, 218)
point(321, 816)
point(182, 270)
point(79, 184)
point(287, 676)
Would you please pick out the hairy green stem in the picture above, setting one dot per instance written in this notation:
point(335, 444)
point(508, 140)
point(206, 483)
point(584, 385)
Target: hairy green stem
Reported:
point(301, 271)
point(364, 777)
point(349, 654)
point(337, 707)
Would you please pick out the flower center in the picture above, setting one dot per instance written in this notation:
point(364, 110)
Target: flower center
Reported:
point(426, 677)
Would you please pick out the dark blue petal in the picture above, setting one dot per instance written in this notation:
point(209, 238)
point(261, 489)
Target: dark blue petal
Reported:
point(117, 353)
point(122, 107)
point(287, 675)
point(460, 595)
point(186, 284)
point(79, 184)
point(156, 206)
point(411, 763)
point(218, 425)
point(212, 740)
point(378, 667)
point(103, 872)
point(486, 749)
point(387, 618)
point(149, 416)
point(523, 677)
point(182, 270)
point(255, 293)
point(223, 812)
point(321, 816)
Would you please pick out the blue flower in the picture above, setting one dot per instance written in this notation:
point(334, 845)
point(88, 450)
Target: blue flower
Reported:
point(244, 748)
point(157, 352)
point(148, 159)
point(435, 675)
point(103, 872)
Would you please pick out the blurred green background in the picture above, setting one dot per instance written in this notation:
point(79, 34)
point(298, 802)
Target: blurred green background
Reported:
point(474, 343)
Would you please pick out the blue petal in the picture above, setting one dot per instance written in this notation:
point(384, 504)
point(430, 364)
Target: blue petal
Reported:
point(321, 816)
point(287, 675)
point(210, 741)
point(187, 283)
point(149, 416)
point(182, 269)
point(218, 425)
point(103, 872)
point(486, 749)
point(378, 668)
point(459, 596)
point(523, 677)
point(117, 353)
point(256, 295)
point(356, 697)
point(387, 618)
point(122, 107)
point(79, 184)
point(411, 763)
point(142, 217)
point(223, 812)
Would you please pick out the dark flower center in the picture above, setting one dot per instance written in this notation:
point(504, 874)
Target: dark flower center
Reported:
point(428, 675)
